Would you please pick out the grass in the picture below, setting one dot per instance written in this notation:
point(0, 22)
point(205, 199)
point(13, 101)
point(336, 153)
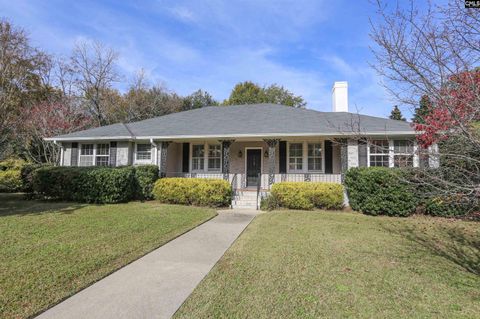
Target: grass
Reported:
point(293, 264)
point(50, 250)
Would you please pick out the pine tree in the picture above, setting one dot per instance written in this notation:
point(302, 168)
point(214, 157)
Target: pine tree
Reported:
point(397, 114)
point(422, 110)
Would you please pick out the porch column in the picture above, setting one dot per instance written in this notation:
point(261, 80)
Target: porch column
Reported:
point(226, 157)
point(343, 157)
point(272, 143)
point(163, 158)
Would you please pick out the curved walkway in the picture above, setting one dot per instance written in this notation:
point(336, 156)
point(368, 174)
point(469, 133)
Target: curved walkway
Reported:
point(155, 285)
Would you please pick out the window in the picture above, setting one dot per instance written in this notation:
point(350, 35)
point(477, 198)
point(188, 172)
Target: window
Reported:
point(102, 155)
point(379, 153)
point(214, 157)
point(295, 161)
point(86, 155)
point(198, 159)
point(403, 153)
point(144, 152)
point(315, 157)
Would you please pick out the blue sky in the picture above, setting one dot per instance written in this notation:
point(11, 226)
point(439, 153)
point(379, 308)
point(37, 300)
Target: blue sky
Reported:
point(185, 45)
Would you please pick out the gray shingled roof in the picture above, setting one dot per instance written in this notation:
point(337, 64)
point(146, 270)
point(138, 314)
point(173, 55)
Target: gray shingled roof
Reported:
point(248, 120)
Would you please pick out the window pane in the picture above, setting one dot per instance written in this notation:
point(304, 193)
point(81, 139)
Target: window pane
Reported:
point(197, 151)
point(379, 160)
point(403, 146)
point(103, 149)
point(86, 160)
point(315, 157)
point(144, 151)
point(379, 147)
point(102, 161)
point(296, 156)
point(86, 149)
point(403, 160)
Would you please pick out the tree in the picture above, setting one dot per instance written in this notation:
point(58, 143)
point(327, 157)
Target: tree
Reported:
point(422, 111)
point(197, 100)
point(48, 119)
point(433, 53)
point(396, 114)
point(251, 93)
point(246, 93)
point(93, 66)
point(22, 74)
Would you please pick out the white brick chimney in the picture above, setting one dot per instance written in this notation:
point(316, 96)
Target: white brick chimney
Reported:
point(340, 97)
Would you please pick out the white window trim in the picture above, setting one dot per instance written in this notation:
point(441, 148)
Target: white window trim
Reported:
point(322, 143)
point(94, 152)
point(303, 157)
point(391, 153)
point(145, 161)
point(304, 169)
point(207, 157)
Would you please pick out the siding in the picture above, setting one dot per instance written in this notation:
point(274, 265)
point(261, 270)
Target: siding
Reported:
point(123, 156)
point(352, 153)
point(67, 154)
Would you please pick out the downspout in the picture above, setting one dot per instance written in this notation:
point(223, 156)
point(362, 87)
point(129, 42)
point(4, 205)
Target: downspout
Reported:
point(156, 150)
point(61, 151)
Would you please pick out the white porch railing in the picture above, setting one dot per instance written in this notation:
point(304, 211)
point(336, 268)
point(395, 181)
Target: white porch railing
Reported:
point(239, 180)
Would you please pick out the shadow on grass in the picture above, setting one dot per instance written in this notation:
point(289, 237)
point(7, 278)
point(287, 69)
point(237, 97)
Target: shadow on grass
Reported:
point(456, 244)
point(18, 204)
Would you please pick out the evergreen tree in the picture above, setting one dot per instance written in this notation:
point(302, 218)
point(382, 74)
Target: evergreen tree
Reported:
point(396, 114)
point(422, 110)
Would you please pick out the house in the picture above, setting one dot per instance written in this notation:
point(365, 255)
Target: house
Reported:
point(250, 145)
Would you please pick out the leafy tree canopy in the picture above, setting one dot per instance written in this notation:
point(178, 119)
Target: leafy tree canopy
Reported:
point(250, 93)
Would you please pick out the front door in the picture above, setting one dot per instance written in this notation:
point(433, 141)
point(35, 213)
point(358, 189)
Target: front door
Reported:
point(254, 166)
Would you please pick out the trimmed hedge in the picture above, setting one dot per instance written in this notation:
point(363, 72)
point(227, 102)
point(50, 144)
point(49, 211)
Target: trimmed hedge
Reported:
point(307, 195)
point(193, 191)
point(146, 176)
point(81, 184)
point(27, 171)
point(380, 191)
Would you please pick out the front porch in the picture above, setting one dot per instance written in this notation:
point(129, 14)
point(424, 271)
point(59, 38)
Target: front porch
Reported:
point(252, 164)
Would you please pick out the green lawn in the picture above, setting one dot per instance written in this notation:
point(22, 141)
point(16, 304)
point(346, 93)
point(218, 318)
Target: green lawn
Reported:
point(292, 264)
point(51, 250)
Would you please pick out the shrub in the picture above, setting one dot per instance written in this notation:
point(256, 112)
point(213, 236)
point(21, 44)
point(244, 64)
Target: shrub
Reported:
point(145, 176)
point(307, 195)
point(11, 164)
point(91, 185)
point(445, 207)
point(26, 173)
point(380, 191)
point(10, 181)
point(193, 191)
point(269, 203)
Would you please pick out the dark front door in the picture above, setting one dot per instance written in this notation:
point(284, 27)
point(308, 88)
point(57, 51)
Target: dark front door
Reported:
point(254, 166)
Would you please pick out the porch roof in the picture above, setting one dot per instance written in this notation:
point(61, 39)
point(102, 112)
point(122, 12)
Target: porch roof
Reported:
point(242, 121)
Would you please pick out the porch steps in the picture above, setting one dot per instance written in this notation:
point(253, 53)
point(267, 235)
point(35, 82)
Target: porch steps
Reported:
point(245, 199)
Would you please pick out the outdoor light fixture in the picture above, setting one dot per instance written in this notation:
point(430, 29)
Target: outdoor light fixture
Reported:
point(265, 154)
point(240, 154)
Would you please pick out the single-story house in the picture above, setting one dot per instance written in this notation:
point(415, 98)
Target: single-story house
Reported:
point(250, 145)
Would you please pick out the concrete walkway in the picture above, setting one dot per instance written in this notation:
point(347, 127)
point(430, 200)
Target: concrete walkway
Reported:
point(157, 284)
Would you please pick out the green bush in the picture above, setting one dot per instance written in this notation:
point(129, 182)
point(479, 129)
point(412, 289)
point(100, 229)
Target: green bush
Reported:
point(26, 173)
point(380, 191)
point(11, 164)
point(445, 207)
point(10, 181)
point(307, 195)
point(193, 191)
point(81, 184)
point(146, 176)
point(269, 203)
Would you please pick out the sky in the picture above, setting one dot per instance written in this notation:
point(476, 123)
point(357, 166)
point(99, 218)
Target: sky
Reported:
point(185, 45)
